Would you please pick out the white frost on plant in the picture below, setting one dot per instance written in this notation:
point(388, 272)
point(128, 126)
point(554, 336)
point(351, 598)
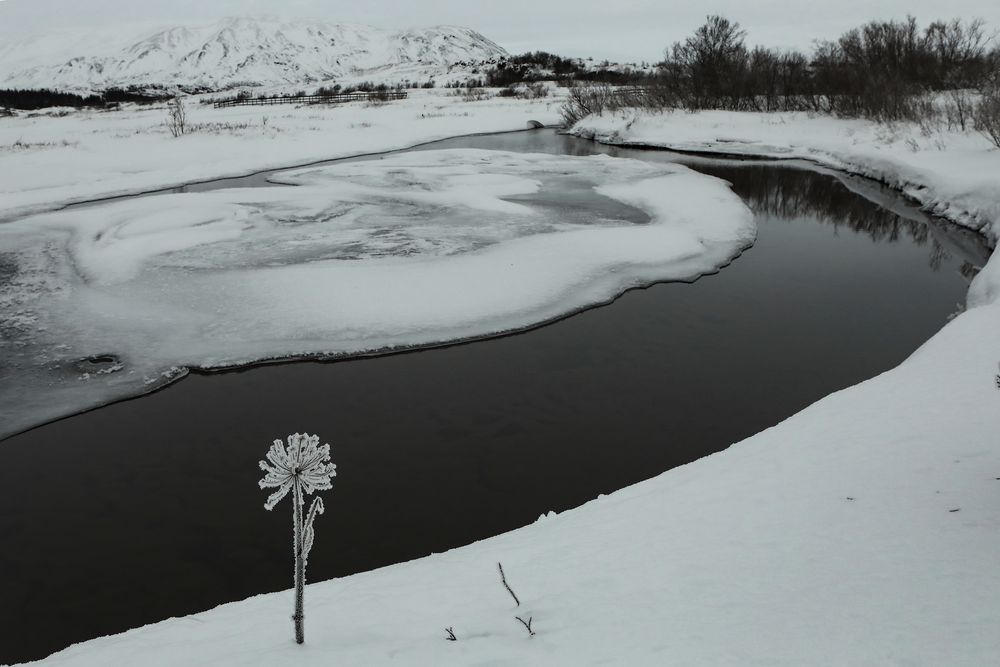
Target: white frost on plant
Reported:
point(304, 461)
point(303, 467)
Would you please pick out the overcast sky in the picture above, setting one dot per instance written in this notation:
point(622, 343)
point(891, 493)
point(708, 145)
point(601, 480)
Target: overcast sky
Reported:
point(617, 29)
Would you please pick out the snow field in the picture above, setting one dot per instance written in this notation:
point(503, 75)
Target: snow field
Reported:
point(53, 158)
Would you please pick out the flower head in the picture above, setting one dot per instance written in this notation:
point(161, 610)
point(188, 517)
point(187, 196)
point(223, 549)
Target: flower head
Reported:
point(304, 461)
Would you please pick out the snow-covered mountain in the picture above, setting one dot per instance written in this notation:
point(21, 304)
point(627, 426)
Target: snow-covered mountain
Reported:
point(233, 52)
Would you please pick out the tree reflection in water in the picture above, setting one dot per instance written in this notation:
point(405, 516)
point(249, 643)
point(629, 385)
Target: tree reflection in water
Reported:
point(854, 203)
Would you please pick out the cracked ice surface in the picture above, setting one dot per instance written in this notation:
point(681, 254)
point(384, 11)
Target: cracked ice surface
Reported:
point(103, 302)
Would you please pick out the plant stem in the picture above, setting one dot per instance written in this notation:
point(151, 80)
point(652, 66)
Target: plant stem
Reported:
point(300, 567)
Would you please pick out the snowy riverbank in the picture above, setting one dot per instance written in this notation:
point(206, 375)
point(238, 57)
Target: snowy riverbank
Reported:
point(952, 174)
point(863, 530)
point(55, 157)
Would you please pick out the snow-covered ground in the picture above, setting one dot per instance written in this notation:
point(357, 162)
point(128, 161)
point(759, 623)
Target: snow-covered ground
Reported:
point(864, 530)
point(52, 158)
point(48, 159)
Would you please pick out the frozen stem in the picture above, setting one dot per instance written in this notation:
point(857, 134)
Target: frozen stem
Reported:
point(451, 635)
point(507, 586)
point(527, 625)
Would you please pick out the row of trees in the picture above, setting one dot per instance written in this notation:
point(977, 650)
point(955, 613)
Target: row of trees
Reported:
point(40, 98)
point(878, 70)
point(543, 66)
point(946, 73)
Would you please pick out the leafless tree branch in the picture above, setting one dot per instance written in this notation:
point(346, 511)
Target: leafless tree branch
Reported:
point(506, 585)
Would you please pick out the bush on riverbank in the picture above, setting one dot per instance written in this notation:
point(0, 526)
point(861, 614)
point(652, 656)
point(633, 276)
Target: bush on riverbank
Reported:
point(987, 116)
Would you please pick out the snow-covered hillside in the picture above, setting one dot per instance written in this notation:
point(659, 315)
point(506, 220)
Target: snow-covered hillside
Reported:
point(232, 52)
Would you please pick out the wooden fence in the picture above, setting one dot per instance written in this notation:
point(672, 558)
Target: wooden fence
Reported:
point(360, 96)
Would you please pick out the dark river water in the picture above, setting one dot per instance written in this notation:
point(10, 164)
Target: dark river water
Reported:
point(150, 508)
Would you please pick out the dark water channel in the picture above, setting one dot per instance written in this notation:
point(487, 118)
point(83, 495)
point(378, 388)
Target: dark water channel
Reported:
point(150, 508)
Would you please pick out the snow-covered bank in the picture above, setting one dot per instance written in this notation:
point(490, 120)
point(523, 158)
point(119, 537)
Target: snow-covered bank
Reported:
point(417, 249)
point(53, 158)
point(954, 175)
point(862, 531)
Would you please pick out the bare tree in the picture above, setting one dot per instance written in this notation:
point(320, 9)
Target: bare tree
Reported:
point(987, 118)
point(711, 60)
point(176, 117)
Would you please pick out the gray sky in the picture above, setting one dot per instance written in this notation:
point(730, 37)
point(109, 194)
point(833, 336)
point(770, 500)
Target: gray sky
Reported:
point(616, 29)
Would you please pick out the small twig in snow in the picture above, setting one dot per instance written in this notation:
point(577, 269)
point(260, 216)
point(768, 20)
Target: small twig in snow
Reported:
point(506, 585)
point(527, 626)
point(451, 635)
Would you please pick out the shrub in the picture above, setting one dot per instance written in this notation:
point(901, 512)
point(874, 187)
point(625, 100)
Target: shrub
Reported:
point(536, 90)
point(473, 94)
point(176, 117)
point(959, 110)
point(585, 100)
point(528, 91)
point(598, 98)
point(987, 116)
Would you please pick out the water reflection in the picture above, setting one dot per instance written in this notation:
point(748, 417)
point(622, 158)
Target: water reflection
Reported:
point(788, 190)
point(792, 193)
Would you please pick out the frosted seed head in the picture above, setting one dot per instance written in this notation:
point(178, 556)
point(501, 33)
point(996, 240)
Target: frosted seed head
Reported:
point(303, 461)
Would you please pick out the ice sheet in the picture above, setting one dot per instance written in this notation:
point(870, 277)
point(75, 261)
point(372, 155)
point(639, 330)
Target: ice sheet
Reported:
point(108, 301)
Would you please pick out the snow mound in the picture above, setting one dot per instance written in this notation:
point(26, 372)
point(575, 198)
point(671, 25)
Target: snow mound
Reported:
point(413, 250)
point(985, 287)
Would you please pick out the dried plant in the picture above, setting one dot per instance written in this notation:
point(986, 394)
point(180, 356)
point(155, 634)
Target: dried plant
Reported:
point(302, 467)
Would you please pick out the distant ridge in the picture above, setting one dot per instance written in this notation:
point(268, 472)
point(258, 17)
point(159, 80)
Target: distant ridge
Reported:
point(236, 51)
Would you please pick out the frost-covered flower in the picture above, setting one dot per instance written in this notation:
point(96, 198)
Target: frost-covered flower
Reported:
point(302, 467)
point(304, 460)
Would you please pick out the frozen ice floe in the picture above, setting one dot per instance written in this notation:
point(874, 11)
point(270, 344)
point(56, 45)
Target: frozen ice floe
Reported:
point(410, 250)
